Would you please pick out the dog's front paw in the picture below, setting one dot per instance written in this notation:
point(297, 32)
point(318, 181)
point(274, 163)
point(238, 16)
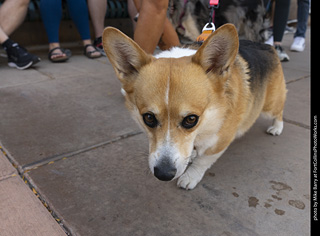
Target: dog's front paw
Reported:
point(190, 178)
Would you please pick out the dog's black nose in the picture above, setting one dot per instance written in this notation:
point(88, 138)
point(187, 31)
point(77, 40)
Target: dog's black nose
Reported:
point(164, 172)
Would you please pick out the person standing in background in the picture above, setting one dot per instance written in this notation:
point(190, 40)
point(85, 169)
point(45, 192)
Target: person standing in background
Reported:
point(302, 15)
point(280, 18)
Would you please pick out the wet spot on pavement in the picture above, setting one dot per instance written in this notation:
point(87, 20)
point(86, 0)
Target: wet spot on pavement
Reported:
point(297, 204)
point(279, 212)
point(253, 201)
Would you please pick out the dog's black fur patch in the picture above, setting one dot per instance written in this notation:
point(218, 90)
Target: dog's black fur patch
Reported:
point(261, 60)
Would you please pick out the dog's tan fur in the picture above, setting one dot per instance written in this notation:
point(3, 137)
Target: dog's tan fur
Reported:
point(213, 84)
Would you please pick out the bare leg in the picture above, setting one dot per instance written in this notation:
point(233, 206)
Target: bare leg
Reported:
point(169, 37)
point(3, 36)
point(150, 24)
point(153, 24)
point(97, 10)
point(12, 14)
point(132, 9)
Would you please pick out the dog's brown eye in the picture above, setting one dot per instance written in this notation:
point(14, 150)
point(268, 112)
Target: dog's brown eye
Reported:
point(150, 120)
point(190, 121)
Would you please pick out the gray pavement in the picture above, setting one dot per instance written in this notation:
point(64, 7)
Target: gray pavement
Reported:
point(66, 130)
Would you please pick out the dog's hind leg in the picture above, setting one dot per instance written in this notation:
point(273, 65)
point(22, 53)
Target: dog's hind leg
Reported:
point(275, 111)
point(277, 126)
point(274, 103)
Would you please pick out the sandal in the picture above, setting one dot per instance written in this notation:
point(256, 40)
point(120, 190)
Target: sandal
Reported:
point(67, 53)
point(89, 54)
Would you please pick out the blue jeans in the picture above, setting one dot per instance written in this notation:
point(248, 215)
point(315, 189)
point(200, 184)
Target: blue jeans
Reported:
point(303, 15)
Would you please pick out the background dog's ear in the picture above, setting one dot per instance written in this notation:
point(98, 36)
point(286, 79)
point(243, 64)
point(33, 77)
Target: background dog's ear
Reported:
point(219, 51)
point(124, 54)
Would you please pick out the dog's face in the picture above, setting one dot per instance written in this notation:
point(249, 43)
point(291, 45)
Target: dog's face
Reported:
point(173, 109)
point(179, 102)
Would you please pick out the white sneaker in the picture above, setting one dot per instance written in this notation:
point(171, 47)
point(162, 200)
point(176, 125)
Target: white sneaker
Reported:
point(269, 41)
point(298, 44)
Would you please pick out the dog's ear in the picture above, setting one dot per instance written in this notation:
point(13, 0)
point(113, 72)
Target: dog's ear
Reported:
point(124, 54)
point(219, 51)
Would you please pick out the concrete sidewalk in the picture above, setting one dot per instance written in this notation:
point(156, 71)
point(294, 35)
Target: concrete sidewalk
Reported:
point(67, 132)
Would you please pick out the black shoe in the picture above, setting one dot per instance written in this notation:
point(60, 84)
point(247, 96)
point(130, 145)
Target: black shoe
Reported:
point(19, 58)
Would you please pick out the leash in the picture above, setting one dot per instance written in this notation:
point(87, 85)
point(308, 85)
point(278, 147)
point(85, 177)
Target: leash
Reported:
point(209, 27)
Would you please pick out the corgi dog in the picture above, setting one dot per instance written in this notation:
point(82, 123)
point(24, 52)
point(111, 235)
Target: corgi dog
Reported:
point(193, 103)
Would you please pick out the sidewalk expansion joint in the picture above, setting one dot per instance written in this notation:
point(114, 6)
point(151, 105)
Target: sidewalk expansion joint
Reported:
point(63, 156)
point(296, 123)
point(295, 80)
point(7, 177)
point(45, 74)
point(23, 172)
point(32, 187)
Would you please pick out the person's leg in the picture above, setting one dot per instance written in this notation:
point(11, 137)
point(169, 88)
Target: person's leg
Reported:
point(79, 14)
point(51, 13)
point(3, 36)
point(12, 14)
point(97, 10)
point(303, 15)
point(169, 37)
point(298, 43)
point(281, 13)
point(150, 25)
point(132, 10)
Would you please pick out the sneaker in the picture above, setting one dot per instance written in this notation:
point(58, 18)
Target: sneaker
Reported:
point(98, 44)
point(269, 41)
point(283, 56)
point(298, 44)
point(19, 58)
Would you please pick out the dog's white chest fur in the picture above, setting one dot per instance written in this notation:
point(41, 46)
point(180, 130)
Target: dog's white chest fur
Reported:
point(176, 53)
